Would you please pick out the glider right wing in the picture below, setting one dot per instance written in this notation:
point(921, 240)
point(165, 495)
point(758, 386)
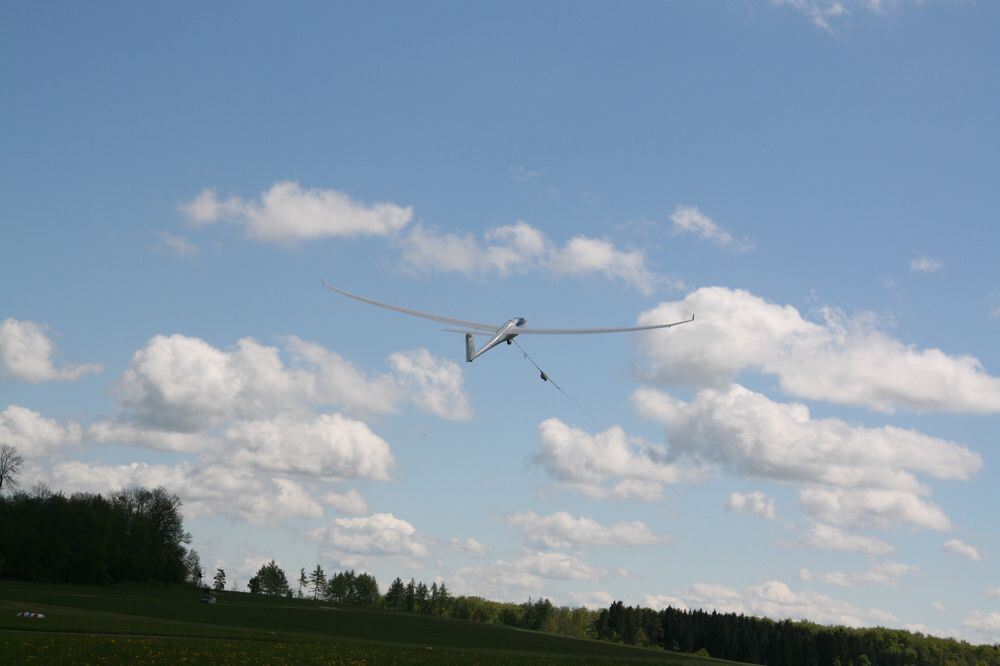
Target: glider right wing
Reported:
point(488, 328)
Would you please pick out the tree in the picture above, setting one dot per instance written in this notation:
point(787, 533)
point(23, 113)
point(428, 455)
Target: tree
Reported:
point(318, 581)
point(365, 590)
point(220, 580)
point(395, 596)
point(10, 465)
point(271, 579)
point(303, 580)
point(192, 565)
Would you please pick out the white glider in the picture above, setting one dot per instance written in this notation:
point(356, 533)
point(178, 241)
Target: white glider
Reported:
point(506, 332)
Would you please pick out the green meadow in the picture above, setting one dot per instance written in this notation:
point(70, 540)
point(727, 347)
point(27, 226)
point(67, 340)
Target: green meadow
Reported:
point(126, 624)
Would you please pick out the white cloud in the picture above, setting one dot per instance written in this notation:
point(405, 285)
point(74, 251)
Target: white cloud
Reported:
point(985, 626)
point(871, 508)
point(593, 600)
point(756, 503)
point(286, 213)
point(842, 360)
point(873, 468)
point(520, 248)
point(636, 469)
point(354, 540)
point(993, 304)
point(827, 537)
point(582, 256)
point(182, 384)
point(822, 13)
point(205, 489)
point(660, 602)
point(470, 546)
point(520, 174)
point(938, 606)
point(518, 578)
point(131, 434)
point(959, 547)
point(562, 530)
point(690, 220)
point(33, 435)
point(26, 353)
point(882, 573)
point(327, 445)
point(176, 245)
point(350, 503)
point(434, 384)
point(992, 593)
point(776, 599)
point(925, 264)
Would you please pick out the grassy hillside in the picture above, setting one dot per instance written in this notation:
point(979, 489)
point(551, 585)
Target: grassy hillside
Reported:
point(86, 624)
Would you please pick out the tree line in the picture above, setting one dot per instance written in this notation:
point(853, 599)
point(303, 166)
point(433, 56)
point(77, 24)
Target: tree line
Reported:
point(724, 635)
point(349, 588)
point(763, 641)
point(134, 535)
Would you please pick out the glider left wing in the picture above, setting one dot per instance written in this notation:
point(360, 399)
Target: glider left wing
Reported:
point(489, 328)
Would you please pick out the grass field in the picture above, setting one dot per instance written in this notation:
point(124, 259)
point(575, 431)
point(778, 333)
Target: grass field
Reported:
point(94, 625)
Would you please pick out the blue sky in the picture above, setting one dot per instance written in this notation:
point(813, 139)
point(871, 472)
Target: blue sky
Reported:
point(816, 180)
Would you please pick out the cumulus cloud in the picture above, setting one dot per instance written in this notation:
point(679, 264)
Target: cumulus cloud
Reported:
point(825, 15)
point(776, 599)
point(205, 489)
point(434, 384)
point(984, 626)
point(756, 503)
point(183, 384)
point(26, 353)
point(354, 540)
point(828, 537)
point(838, 359)
point(287, 213)
point(992, 593)
point(593, 600)
point(107, 431)
point(521, 248)
point(872, 508)
point(523, 576)
point(882, 573)
point(634, 468)
point(959, 547)
point(660, 602)
point(520, 174)
point(327, 445)
point(690, 220)
point(350, 503)
point(33, 435)
point(470, 546)
point(925, 264)
point(562, 530)
point(176, 245)
point(872, 469)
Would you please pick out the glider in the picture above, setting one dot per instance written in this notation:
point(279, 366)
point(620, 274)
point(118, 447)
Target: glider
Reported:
point(506, 332)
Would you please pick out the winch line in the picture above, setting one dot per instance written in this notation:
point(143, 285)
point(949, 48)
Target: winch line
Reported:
point(545, 377)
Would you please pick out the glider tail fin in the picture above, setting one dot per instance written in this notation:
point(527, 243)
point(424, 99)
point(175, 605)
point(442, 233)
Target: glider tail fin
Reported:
point(470, 349)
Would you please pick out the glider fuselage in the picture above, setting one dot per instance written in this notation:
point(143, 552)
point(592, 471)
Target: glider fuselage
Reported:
point(505, 333)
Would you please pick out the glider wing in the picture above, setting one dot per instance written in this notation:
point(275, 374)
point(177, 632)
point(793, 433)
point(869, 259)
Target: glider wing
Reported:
point(491, 328)
point(587, 331)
